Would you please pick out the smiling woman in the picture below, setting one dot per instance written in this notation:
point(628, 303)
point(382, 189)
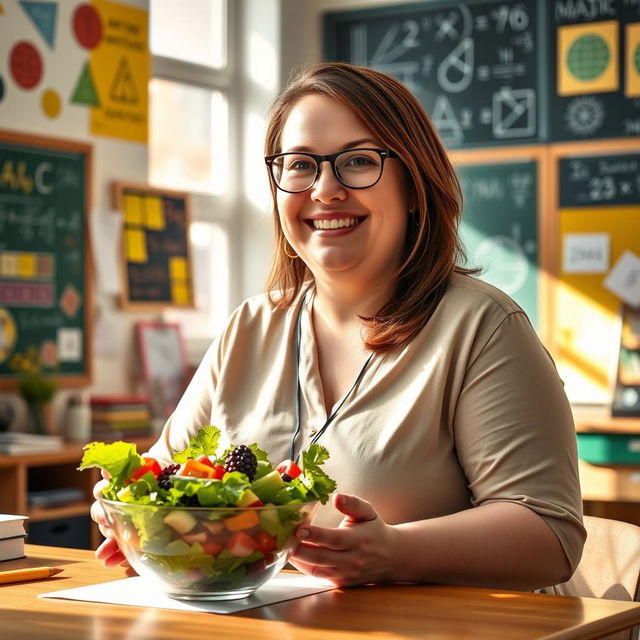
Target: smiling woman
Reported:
point(449, 433)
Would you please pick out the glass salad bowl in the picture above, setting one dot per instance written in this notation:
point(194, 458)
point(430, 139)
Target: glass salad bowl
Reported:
point(198, 553)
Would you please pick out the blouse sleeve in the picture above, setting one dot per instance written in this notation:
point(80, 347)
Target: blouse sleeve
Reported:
point(514, 432)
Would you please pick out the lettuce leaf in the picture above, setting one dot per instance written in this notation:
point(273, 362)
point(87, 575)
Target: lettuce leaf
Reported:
point(203, 443)
point(316, 481)
point(118, 459)
point(214, 493)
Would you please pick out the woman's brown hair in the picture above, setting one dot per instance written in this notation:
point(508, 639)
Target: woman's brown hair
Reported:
point(432, 247)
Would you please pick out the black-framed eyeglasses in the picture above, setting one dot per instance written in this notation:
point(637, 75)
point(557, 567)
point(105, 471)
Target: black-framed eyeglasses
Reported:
point(295, 172)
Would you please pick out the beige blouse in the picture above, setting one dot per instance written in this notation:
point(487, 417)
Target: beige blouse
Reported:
point(471, 412)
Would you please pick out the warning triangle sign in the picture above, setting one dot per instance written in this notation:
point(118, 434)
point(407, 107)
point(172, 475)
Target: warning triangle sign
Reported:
point(85, 90)
point(43, 15)
point(123, 88)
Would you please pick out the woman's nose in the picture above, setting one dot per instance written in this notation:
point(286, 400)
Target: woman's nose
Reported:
point(327, 187)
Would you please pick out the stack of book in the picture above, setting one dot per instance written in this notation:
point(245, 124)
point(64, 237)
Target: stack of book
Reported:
point(12, 536)
point(13, 443)
point(120, 418)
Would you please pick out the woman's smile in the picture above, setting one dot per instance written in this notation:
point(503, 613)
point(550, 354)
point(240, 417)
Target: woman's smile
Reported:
point(334, 224)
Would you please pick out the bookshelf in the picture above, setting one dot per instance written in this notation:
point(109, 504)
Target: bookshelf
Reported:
point(22, 473)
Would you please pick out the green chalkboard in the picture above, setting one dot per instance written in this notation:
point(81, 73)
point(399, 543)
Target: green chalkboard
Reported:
point(475, 65)
point(597, 181)
point(44, 262)
point(499, 228)
point(594, 69)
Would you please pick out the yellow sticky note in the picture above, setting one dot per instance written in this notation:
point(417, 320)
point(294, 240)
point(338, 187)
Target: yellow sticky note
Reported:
point(154, 214)
point(8, 265)
point(177, 268)
point(132, 209)
point(136, 245)
point(180, 293)
point(26, 265)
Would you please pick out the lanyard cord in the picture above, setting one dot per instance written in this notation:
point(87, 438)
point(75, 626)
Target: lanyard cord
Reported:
point(299, 390)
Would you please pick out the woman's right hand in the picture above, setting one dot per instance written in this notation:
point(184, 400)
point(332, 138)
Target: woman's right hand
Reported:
point(108, 552)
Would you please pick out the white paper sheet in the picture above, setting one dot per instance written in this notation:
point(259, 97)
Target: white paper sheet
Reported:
point(585, 252)
point(106, 227)
point(624, 278)
point(140, 593)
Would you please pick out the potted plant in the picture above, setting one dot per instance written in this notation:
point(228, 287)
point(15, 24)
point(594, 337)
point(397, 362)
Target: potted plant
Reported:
point(35, 387)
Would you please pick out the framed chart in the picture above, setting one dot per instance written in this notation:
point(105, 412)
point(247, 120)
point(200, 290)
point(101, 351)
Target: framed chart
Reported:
point(164, 364)
point(156, 263)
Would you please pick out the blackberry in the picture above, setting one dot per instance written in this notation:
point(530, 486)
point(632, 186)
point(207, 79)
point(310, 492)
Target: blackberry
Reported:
point(164, 481)
point(242, 459)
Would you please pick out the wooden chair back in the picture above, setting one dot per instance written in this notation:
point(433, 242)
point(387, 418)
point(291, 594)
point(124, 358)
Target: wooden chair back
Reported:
point(610, 566)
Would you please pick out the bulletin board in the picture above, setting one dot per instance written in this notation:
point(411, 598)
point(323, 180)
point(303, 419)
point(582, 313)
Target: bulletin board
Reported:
point(505, 224)
point(156, 258)
point(594, 70)
point(45, 264)
point(597, 191)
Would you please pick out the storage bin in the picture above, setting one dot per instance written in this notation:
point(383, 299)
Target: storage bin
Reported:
point(609, 448)
point(63, 532)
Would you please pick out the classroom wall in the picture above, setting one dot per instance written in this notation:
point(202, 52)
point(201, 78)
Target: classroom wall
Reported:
point(256, 46)
point(21, 111)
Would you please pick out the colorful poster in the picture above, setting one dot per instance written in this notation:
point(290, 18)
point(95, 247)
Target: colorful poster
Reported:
point(588, 58)
point(120, 67)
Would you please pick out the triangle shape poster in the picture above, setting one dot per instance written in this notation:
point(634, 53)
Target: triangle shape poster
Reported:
point(43, 16)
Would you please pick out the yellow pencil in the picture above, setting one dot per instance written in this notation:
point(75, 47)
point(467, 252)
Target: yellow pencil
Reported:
point(32, 573)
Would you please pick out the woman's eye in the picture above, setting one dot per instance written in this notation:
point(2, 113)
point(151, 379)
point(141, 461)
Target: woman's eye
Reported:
point(300, 165)
point(360, 161)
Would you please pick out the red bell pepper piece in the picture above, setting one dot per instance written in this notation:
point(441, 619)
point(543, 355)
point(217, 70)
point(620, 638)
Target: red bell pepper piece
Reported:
point(290, 468)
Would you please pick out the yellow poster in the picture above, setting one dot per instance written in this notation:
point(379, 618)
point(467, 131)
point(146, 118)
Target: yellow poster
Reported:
point(632, 75)
point(588, 347)
point(120, 67)
point(588, 58)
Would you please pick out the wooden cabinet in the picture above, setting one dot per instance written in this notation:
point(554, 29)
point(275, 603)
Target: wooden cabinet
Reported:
point(610, 490)
point(20, 474)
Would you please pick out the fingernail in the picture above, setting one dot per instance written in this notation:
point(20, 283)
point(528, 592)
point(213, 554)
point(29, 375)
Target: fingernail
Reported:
point(303, 533)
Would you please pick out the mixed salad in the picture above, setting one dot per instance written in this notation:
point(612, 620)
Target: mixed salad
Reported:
point(208, 520)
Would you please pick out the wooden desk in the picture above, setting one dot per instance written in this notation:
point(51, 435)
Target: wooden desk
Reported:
point(399, 611)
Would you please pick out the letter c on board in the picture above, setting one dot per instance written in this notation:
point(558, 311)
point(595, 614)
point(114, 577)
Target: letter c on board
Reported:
point(41, 187)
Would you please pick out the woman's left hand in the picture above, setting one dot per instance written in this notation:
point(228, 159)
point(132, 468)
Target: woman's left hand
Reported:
point(359, 551)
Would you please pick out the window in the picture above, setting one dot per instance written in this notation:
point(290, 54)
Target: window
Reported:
point(194, 32)
point(190, 137)
point(188, 146)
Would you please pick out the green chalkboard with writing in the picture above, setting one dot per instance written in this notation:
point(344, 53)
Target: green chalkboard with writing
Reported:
point(499, 227)
point(475, 65)
point(44, 262)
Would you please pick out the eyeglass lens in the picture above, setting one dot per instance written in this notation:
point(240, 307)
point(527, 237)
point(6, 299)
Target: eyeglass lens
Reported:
point(298, 171)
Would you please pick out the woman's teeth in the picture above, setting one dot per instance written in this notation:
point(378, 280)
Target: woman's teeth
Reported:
point(335, 223)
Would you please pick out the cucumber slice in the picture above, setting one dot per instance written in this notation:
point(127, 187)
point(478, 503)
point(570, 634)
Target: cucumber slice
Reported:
point(270, 520)
point(268, 486)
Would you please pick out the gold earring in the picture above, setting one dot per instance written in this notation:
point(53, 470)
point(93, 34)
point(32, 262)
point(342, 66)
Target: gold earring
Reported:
point(286, 253)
